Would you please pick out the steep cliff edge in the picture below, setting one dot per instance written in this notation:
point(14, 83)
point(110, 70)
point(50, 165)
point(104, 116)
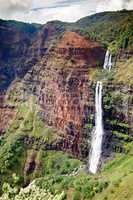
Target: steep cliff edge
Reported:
point(118, 101)
point(65, 95)
point(15, 38)
point(21, 47)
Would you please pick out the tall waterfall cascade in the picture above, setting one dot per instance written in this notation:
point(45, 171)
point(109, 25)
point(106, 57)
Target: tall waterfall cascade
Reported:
point(96, 145)
point(108, 61)
point(98, 131)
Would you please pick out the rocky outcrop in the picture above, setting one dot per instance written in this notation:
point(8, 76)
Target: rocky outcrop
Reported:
point(118, 106)
point(125, 54)
point(30, 163)
point(7, 114)
point(118, 118)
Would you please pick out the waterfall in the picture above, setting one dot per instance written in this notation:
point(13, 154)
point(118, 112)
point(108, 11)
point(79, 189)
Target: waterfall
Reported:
point(96, 145)
point(108, 61)
point(98, 132)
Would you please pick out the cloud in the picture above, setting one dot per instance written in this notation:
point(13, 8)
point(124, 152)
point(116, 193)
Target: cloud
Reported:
point(14, 5)
point(113, 5)
point(41, 11)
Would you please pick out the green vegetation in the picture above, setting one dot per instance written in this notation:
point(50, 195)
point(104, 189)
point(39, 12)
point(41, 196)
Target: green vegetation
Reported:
point(59, 163)
point(12, 156)
point(97, 187)
point(113, 29)
point(21, 26)
point(101, 74)
point(124, 72)
point(82, 186)
point(32, 192)
point(122, 136)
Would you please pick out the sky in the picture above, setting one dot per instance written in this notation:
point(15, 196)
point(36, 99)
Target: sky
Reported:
point(41, 11)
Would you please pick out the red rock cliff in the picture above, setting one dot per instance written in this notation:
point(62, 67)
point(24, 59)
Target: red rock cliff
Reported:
point(65, 95)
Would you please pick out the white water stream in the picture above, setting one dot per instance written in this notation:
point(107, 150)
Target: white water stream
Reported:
point(108, 61)
point(98, 132)
point(96, 144)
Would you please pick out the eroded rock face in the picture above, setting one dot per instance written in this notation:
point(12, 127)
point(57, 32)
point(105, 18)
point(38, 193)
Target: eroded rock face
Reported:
point(7, 114)
point(65, 103)
point(21, 47)
point(80, 50)
point(118, 118)
point(65, 94)
point(15, 39)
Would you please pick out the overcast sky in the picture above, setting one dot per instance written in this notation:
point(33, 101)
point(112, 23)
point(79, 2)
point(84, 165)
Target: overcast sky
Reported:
point(41, 11)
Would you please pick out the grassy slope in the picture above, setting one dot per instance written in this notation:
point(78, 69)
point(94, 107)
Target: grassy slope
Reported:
point(115, 182)
point(124, 72)
point(113, 29)
point(119, 173)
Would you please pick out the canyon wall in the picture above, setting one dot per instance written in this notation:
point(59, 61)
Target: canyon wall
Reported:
point(66, 97)
point(57, 69)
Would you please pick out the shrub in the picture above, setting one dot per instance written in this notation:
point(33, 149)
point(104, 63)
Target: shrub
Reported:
point(77, 195)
